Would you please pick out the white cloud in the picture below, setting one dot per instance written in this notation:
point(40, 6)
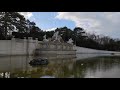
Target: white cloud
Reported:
point(113, 16)
point(51, 29)
point(26, 14)
point(106, 23)
point(80, 19)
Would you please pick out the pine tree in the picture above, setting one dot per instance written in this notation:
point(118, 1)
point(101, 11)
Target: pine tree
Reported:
point(11, 21)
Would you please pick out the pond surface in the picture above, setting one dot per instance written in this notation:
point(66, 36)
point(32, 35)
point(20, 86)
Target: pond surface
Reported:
point(61, 67)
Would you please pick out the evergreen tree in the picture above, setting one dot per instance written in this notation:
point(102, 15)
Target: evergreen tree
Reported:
point(11, 21)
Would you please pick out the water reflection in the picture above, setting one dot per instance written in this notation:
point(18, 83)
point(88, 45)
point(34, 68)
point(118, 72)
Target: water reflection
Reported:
point(99, 67)
point(18, 66)
point(61, 67)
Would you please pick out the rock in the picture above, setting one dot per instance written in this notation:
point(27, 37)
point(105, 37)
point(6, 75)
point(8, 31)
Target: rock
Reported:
point(39, 61)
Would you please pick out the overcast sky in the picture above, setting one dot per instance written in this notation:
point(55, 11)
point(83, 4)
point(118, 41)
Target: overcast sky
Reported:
point(106, 23)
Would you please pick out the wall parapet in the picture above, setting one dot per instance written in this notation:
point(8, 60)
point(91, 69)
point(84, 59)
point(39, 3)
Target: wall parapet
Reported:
point(54, 46)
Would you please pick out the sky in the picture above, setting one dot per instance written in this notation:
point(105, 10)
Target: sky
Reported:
point(102, 23)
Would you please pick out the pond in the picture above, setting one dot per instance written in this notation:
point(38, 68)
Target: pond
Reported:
point(102, 66)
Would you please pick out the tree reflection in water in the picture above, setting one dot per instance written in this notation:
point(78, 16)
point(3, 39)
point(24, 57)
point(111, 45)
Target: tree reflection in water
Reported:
point(57, 67)
point(98, 64)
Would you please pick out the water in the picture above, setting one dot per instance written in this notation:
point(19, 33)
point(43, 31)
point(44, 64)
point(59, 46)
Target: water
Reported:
point(84, 66)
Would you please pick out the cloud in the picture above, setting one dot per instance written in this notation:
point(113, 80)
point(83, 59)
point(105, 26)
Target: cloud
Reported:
point(106, 23)
point(113, 16)
point(26, 14)
point(51, 29)
point(80, 19)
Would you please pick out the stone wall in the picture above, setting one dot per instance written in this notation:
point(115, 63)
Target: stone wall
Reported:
point(18, 46)
point(30, 47)
point(55, 46)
